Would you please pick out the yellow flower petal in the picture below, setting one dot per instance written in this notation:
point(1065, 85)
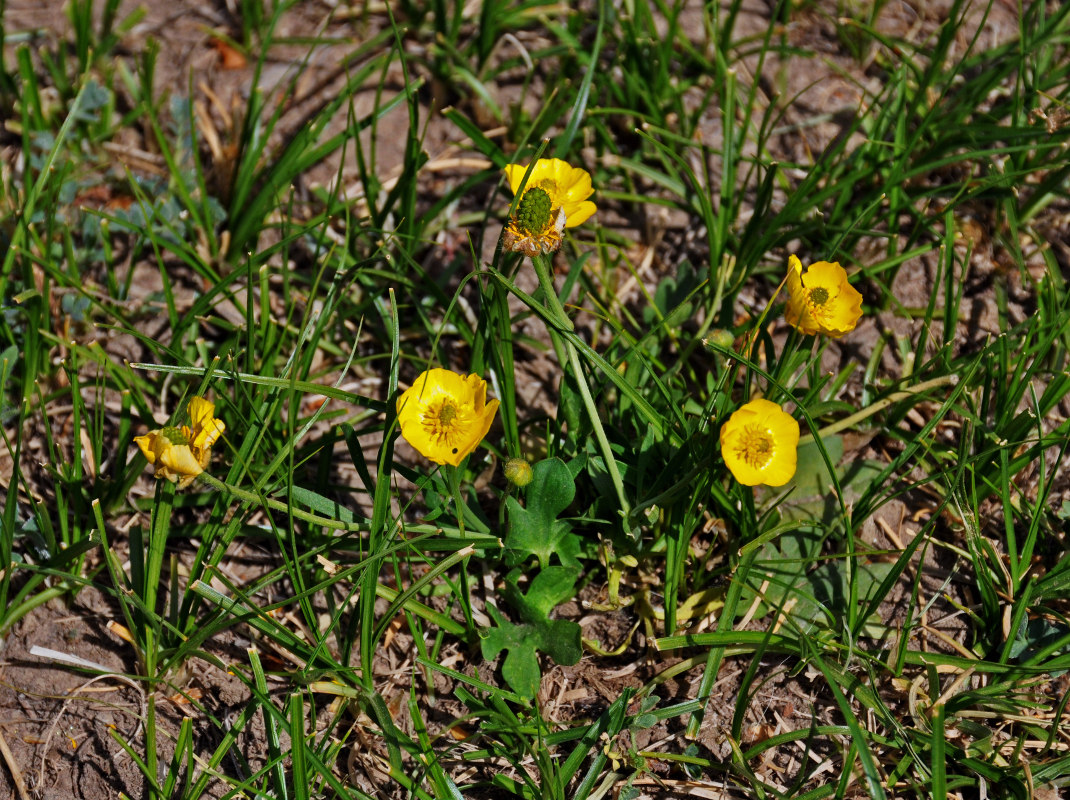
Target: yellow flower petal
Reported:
point(578, 213)
point(179, 461)
point(515, 174)
point(147, 445)
point(573, 190)
point(445, 415)
point(206, 428)
point(759, 444)
point(820, 300)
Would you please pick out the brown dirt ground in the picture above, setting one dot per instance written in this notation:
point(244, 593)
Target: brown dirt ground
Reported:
point(61, 729)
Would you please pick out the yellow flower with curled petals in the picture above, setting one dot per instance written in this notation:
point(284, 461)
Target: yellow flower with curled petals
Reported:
point(181, 453)
point(820, 300)
point(445, 415)
point(759, 444)
point(555, 198)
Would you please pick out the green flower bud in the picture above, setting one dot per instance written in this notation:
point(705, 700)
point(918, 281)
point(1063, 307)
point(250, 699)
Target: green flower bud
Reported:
point(533, 211)
point(518, 472)
point(721, 338)
point(652, 514)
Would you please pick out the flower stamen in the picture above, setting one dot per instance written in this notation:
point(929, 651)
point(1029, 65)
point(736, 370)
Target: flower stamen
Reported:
point(447, 413)
point(756, 446)
point(442, 423)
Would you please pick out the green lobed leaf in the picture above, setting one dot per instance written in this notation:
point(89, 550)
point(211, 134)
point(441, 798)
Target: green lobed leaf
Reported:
point(558, 638)
point(535, 530)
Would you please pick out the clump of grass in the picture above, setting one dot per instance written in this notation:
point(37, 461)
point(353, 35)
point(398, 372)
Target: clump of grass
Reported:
point(717, 457)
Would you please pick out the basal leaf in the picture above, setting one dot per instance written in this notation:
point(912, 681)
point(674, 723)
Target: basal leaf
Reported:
point(558, 638)
point(553, 585)
point(535, 530)
point(521, 666)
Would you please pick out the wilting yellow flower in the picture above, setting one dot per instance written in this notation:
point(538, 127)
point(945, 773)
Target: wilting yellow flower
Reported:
point(821, 300)
point(445, 415)
point(181, 453)
point(759, 443)
point(555, 198)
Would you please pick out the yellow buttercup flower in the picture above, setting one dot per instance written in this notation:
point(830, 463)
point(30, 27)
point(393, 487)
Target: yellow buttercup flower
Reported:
point(181, 453)
point(820, 300)
point(445, 415)
point(555, 198)
point(759, 444)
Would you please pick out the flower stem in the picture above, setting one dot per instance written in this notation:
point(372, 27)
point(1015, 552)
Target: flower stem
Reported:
point(557, 312)
point(453, 478)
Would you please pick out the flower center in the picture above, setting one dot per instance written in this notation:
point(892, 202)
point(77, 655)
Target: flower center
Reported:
point(175, 435)
point(819, 296)
point(533, 211)
point(447, 413)
point(444, 423)
point(756, 446)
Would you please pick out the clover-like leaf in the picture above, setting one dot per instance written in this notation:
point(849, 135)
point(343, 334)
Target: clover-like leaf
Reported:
point(535, 530)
